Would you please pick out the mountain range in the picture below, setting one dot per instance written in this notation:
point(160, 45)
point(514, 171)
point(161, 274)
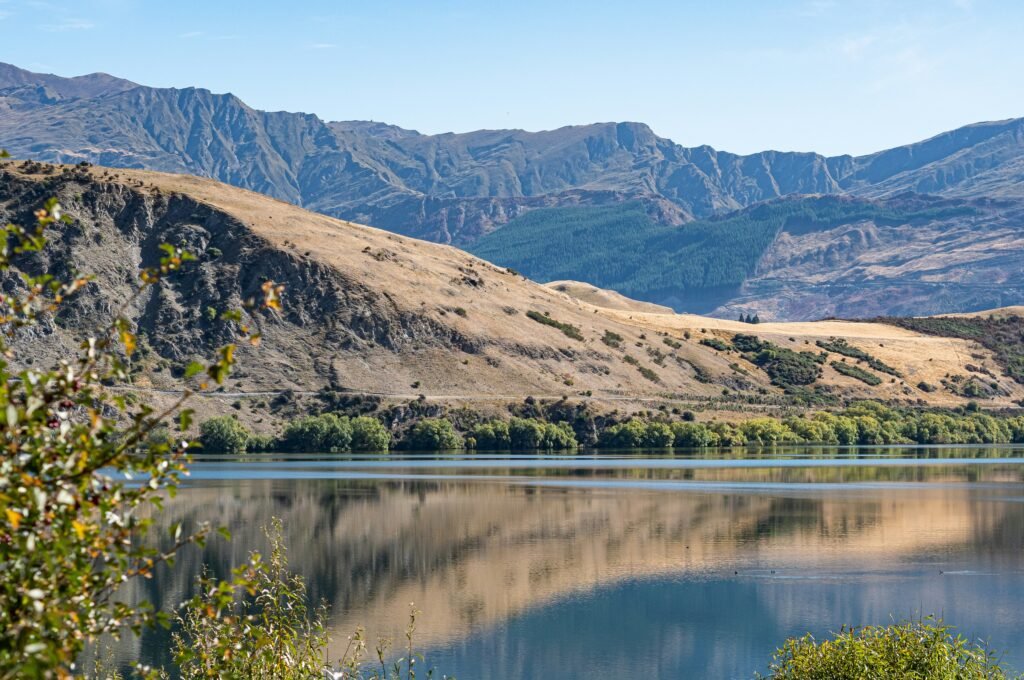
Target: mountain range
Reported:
point(464, 189)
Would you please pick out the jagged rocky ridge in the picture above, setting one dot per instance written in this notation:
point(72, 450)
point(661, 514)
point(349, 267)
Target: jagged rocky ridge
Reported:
point(453, 188)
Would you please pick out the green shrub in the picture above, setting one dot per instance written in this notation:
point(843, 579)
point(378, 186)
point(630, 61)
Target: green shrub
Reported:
point(843, 427)
point(566, 328)
point(766, 431)
point(649, 374)
point(856, 372)
point(433, 434)
point(727, 433)
point(658, 436)
point(325, 433)
point(525, 434)
point(261, 443)
point(628, 435)
point(636, 434)
point(492, 436)
point(840, 346)
point(611, 339)
point(529, 433)
point(786, 367)
point(369, 434)
point(692, 435)
point(814, 430)
point(748, 343)
point(223, 435)
point(161, 436)
point(715, 343)
point(257, 626)
point(866, 423)
point(559, 437)
point(908, 650)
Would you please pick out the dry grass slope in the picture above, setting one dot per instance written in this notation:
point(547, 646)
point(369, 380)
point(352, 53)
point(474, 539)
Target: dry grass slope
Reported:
point(373, 312)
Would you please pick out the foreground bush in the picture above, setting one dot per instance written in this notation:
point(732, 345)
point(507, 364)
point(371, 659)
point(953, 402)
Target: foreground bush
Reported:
point(920, 650)
point(257, 626)
point(72, 527)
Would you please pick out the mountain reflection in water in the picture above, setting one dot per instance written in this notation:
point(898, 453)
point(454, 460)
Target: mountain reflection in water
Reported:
point(667, 567)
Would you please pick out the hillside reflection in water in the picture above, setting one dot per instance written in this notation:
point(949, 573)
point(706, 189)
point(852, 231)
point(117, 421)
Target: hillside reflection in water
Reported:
point(667, 567)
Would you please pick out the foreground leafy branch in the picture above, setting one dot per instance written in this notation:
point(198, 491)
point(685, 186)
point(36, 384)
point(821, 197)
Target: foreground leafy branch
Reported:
point(257, 626)
point(80, 469)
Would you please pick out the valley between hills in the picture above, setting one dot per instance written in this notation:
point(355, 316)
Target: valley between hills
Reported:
point(376, 317)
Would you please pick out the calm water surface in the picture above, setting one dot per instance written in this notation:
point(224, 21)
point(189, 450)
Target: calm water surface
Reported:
point(693, 566)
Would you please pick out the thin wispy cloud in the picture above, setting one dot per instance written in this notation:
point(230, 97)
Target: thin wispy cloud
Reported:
point(854, 47)
point(68, 25)
point(195, 35)
point(903, 67)
point(883, 43)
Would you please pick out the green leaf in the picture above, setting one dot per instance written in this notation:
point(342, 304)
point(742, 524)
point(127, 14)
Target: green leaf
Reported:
point(194, 368)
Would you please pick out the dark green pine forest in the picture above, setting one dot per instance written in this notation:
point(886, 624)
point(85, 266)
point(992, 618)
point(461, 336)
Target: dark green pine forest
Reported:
point(622, 248)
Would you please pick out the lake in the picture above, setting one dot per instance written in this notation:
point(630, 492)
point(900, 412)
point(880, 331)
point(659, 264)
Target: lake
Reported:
point(671, 566)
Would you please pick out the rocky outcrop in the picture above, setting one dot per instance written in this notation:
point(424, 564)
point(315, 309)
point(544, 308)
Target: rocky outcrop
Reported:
point(365, 310)
point(966, 256)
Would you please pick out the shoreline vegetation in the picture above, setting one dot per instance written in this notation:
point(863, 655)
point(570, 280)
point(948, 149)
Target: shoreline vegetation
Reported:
point(562, 427)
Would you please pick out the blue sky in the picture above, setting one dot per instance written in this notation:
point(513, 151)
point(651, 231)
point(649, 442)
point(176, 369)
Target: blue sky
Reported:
point(834, 76)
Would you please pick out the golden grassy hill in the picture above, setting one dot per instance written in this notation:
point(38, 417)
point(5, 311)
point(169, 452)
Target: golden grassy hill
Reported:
point(371, 313)
point(608, 299)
